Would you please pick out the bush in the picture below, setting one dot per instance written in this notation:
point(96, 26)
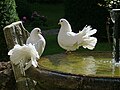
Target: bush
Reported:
point(7, 15)
point(45, 1)
point(38, 20)
point(113, 4)
point(87, 12)
point(23, 9)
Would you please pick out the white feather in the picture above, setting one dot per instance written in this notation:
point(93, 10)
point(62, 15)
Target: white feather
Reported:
point(23, 54)
point(37, 40)
point(71, 41)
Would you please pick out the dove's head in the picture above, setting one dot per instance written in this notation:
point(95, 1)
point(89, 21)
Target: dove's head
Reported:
point(63, 22)
point(65, 25)
point(36, 31)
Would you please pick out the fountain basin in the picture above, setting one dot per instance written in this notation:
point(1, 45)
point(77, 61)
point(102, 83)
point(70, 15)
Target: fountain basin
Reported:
point(76, 71)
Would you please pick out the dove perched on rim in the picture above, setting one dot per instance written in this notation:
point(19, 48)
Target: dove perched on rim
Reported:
point(37, 40)
point(25, 55)
point(71, 41)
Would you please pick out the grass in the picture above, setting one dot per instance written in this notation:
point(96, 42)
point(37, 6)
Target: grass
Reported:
point(53, 12)
point(52, 46)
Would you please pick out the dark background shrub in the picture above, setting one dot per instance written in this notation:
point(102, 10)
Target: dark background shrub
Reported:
point(46, 1)
point(23, 9)
point(7, 15)
point(87, 12)
point(38, 20)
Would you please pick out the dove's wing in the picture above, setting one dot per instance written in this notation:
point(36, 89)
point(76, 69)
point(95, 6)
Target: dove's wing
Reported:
point(34, 63)
point(28, 40)
point(69, 39)
point(40, 45)
point(31, 40)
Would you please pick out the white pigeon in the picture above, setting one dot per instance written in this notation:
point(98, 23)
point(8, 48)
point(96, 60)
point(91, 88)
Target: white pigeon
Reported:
point(25, 56)
point(71, 41)
point(37, 40)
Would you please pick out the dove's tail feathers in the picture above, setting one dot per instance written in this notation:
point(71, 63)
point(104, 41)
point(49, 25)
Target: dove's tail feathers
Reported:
point(88, 31)
point(16, 48)
point(87, 41)
point(90, 43)
point(15, 54)
point(34, 63)
point(23, 54)
point(17, 57)
point(31, 62)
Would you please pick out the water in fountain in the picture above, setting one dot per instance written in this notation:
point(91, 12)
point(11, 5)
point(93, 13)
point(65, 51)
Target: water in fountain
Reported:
point(95, 64)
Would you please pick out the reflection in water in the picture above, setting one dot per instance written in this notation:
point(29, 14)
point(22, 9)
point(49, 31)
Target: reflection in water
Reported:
point(89, 65)
point(97, 64)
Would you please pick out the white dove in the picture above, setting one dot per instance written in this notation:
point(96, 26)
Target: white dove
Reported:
point(71, 41)
point(37, 40)
point(25, 56)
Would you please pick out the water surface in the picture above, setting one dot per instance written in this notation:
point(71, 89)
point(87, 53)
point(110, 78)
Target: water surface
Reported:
point(89, 63)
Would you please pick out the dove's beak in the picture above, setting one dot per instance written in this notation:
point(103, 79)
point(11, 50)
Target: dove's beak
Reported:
point(59, 23)
point(40, 32)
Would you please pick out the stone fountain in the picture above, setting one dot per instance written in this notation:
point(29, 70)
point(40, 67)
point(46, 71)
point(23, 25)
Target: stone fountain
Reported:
point(82, 71)
point(115, 16)
point(75, 71)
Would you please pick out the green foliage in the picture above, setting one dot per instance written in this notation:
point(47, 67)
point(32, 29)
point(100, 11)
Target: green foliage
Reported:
point(112, 4)
point(7, 15)
point(7, 12)
point(87, 12)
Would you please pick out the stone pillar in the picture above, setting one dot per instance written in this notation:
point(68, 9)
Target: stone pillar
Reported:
point(115, 16)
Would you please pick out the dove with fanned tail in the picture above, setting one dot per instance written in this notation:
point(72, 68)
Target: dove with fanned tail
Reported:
point(25, 55)
point(71, 41)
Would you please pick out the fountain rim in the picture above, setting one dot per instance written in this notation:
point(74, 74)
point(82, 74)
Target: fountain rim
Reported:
point(68, 81)
point(59, 73)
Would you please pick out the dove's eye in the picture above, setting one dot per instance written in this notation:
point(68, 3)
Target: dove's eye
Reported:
point(38, 30)
point(61, 21)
